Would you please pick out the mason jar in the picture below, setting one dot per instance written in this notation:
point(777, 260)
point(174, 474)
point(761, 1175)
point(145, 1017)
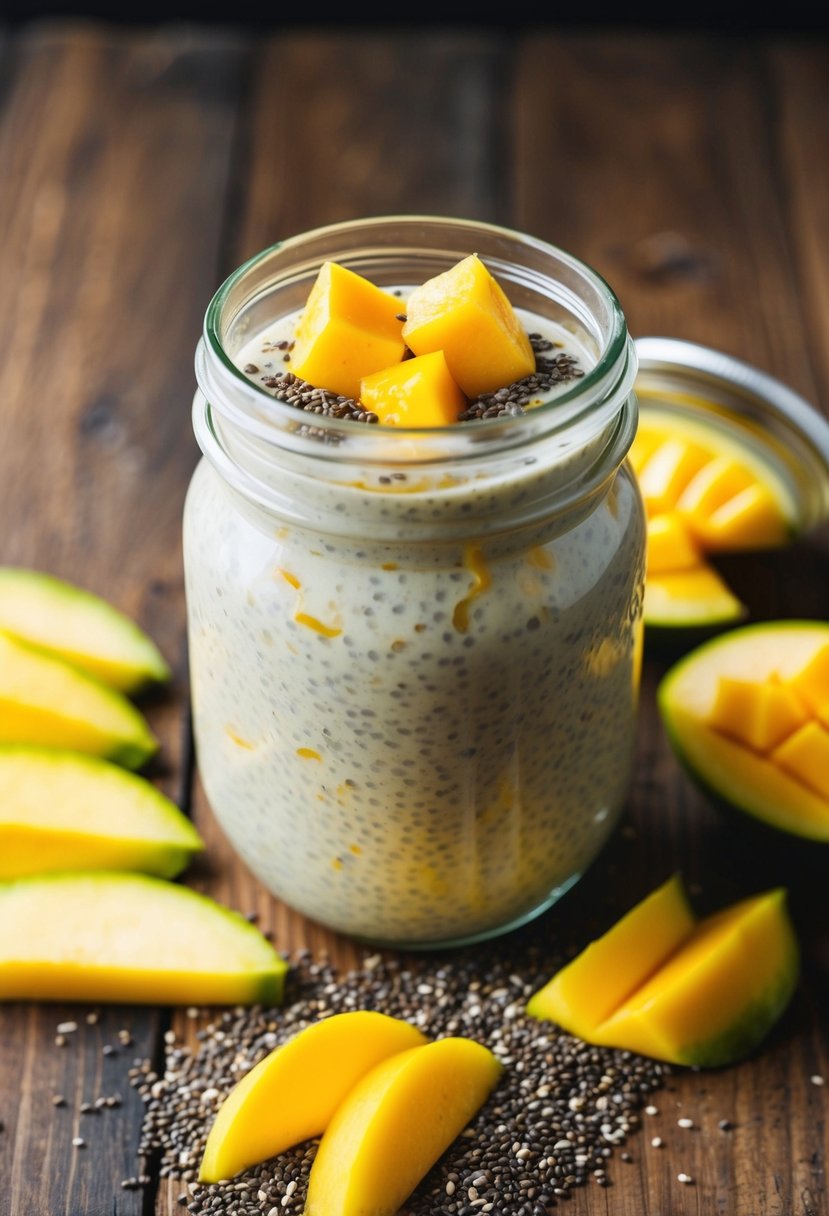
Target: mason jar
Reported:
point(415, 653)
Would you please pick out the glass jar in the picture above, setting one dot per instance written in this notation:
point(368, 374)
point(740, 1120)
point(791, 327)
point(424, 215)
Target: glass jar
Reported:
point(415, 654)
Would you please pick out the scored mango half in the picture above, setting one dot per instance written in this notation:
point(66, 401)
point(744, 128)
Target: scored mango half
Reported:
point(699, 993)
point(704, 492)
point(748, 715)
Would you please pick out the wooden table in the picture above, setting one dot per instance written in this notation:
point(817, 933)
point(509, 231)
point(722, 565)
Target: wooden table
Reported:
point(137, 168)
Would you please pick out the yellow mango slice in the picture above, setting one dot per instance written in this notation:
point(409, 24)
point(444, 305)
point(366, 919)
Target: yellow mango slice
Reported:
point(131, 939)
point(291, 1095)
point(805, 755)
point(417, 392)
point(719, 995)
point(64, 810)
point(775, 653)
point(697, 596)
point(812, 684)
point(717, 481)
point(465, 313)
point(73, 624)
point(759, 714)
point(395, 1124)
point(750, 519)
point(667, 471)
point(44, 700)
point(348, 329)
point(670, 545)
point(587, 990)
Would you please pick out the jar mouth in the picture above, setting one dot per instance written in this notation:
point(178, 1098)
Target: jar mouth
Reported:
point(533, 273)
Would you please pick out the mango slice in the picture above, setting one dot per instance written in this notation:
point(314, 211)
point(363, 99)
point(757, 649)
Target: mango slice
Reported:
point(129, 938)
point(73, 624)
point(292, 1094)
point(585, 992)
point(348, 329)
point(465, 313)
point(417, 392)
point(44, 700)
point(694, 476)
point(64, 810)
point(745, 689)
point(697, 993)
point(395, 1124)
point(719, 995)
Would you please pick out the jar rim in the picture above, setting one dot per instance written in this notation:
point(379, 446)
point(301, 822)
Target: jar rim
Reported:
point(558, 413)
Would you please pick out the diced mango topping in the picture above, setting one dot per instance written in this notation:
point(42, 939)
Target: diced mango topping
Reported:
point(348, 329)
point(805, 755)
point(667, 472)
point(417, 392)
point(812, 684)
point(465, 313)
point(757, 714)
point(670, 545)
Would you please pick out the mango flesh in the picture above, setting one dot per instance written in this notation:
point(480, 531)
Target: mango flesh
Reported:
point(46, 701)
point(417, 392)
point(108, 936)
point(586, 991)
point(395, 1124)
point(704, 493)
point(663, 985)
point(719, 995)
point(743, 690)
point(292, 1094)
point(348, 329)
point(465, 313)
point(71, 623)
point(63, 810)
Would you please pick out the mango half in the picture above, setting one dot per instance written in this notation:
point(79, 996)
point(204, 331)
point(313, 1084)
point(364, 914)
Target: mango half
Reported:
point(716, 989)
point(705, 492)
point(747, 714)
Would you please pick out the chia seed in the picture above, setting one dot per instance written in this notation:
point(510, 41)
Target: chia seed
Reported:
point(529, 1145)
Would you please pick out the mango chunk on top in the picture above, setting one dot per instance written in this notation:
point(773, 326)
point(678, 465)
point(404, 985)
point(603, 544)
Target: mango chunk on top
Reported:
point(465, 313)
point(348, 329)
point(416, 392)
point(759, 715)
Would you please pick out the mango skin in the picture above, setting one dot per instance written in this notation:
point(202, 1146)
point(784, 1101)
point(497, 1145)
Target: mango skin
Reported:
point(730, 774)
point(292, 1094)
point(465, 313)
point(113, 936)
point(395, 1124)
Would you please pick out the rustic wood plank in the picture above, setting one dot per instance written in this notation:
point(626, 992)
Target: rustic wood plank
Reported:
point(116, 152)
point(656, 160)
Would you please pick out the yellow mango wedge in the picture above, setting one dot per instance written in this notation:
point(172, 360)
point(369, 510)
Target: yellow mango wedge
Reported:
point(395, 1124)
point(73, 624)
point(700, 993)
point(107, 936)
point(719, 995)
point(64, 810)
point(465, 313)
point(46, 701)
point(759, 714)
point(348, 329)
point(417, 392)
point(291, 1095)
point(588, 989)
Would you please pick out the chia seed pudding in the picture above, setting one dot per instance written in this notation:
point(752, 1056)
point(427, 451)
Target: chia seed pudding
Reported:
point(414, 667)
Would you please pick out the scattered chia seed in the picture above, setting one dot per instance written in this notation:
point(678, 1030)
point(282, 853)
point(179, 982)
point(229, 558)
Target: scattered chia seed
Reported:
point(543, 1131)
point(58, 1100)
point(61, 1040)
point(651, 1110)
point(78, 1142)
point(725, 1125)
point(92, 1018)
point(657, 1142)
point(685, 1123)
point(817, 1079)
point(685, 1178)
point(109, 1050)
point(66, 1027)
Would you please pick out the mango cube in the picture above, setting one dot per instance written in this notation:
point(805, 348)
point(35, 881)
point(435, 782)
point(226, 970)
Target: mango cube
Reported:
point(759, 714)
point(416, 392)
point(805, 755)
point(668, 471)
point(395, 1124)
point(812, 684)
point(465, 313)
point(347, 330)
point(670, 546)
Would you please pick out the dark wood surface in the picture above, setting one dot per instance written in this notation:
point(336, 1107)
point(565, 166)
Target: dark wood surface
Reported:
point(137, 168)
